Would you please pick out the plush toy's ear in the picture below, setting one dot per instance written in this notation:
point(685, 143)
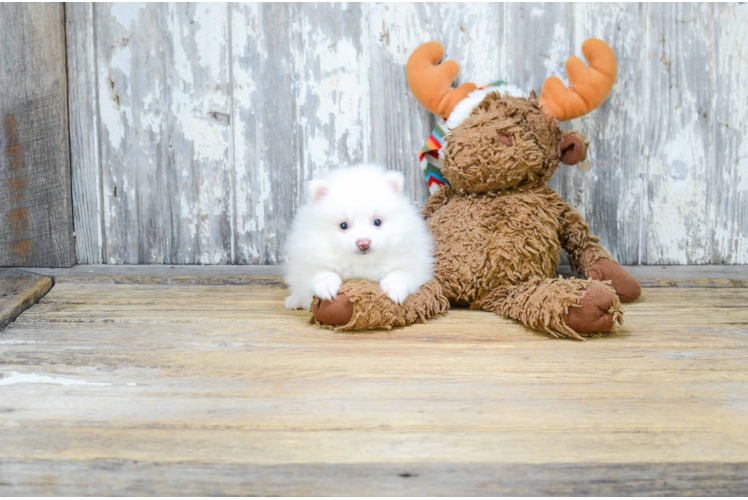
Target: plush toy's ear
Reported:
point(396, 180)
point(317, 190)
point(573, 147)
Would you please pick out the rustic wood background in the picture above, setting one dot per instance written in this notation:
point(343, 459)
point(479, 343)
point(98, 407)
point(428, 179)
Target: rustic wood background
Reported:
point(195, 126)
point(36, 217)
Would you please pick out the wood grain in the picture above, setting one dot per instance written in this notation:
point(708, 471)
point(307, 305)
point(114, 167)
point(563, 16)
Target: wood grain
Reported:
point(728, 189)
point(36, 220)
point(84, 133)
point(707, 276)
point(680, 70)
point(176, 388)
point(18, 291)
point(607, 187)
point(268, 132)
point(211, 167)
point(164, 103)
point(110, 477)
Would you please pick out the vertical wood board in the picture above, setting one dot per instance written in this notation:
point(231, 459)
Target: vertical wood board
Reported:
point(36, 227)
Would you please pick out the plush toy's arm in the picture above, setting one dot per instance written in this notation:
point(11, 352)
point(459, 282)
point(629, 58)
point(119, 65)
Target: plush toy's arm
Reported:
point(581, 245)
point(590, 259)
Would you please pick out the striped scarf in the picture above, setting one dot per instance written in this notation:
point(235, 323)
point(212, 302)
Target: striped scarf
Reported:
point(430, 155)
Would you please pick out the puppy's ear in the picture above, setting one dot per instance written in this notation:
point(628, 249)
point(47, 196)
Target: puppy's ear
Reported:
point(396, 180)
point(317, 190)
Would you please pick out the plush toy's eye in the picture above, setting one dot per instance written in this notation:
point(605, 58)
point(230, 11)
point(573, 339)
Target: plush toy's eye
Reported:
point(343, 226)
point(377, 222)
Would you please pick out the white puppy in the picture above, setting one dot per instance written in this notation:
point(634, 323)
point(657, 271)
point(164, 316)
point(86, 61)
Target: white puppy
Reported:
point(357, 224)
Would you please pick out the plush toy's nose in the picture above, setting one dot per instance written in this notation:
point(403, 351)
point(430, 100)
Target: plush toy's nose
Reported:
point(363, 244)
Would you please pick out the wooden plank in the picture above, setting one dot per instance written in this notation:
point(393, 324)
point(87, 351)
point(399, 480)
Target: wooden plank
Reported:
point(35, 200)
point(707, 276)
point(144, 304)
point(84, 133)
point(607, 187)
point(728, 190)
point(267, 138)
point(300, 95)
point(124, 477)
point(648, 276)
point(18, 291)
point(164, 106)
point(126, 306)
point(166, 275)
point(206, 390)
point(680, 76)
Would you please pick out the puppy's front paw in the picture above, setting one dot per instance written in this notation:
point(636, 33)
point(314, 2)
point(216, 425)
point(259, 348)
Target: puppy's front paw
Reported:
point(296, 302)
point(395, 288)
point(326, 285)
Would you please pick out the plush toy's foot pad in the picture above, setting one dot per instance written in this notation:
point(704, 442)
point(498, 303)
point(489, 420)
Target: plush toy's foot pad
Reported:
point(596, 312)
point(362, 305)
point(627, 288)
point(337, 312)
point(559, 306)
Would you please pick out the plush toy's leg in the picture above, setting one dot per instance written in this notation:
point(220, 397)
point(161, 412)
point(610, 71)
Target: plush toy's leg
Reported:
point(561, 307)
point(362, 305)
point(627, 288)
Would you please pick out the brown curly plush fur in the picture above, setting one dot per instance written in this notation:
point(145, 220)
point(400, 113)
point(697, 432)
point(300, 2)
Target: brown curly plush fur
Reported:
point(477, 160)
point(544, 303)
point(499, 230)
point(371, 306)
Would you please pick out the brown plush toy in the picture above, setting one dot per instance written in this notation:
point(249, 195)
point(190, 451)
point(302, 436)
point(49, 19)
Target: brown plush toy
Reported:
point(498, 228)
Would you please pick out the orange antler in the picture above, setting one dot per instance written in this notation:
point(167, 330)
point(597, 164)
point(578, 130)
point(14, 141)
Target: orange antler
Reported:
point(431, 82)
point(589, 87)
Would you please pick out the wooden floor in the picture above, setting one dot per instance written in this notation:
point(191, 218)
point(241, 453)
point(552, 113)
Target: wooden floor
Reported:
point(130, 388)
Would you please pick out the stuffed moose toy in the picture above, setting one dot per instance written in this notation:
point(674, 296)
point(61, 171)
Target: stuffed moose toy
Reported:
point(497, 227)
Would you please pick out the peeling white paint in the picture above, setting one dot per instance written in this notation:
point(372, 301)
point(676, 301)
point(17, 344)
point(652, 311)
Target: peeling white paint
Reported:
point(13, 378)
point(678, 229)
point(158, 130)
point(152, 116)
point(398, 28)
point(127, 13)
point(262, 198)
point(330, 101)
point(557, 54)
point(730, 211)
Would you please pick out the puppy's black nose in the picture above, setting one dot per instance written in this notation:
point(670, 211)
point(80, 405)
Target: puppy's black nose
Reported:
point(363, 244)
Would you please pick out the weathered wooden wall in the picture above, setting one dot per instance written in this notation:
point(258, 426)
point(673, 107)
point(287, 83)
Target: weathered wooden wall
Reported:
point(36, 219)
point(195, 126)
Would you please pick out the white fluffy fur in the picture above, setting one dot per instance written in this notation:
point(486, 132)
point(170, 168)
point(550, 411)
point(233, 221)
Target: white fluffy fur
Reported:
point(463, 108)
point(321, 255)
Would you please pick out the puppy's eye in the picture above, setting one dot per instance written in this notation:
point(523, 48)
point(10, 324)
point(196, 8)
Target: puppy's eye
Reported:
point(377, 222)
point(343, 226)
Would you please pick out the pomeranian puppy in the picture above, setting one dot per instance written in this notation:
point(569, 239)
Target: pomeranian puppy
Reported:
point(357, 223)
